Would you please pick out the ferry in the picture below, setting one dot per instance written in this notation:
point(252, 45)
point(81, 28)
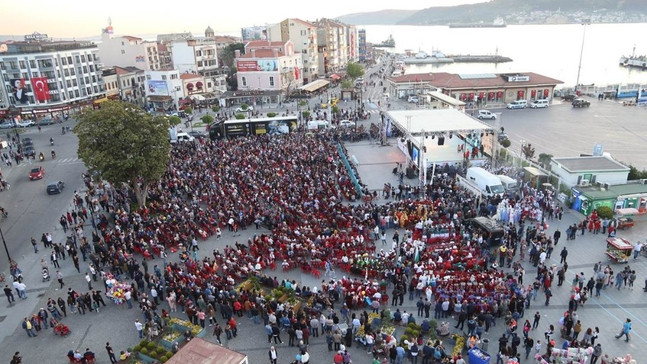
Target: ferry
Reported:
point(389, 43)
point(634, 60)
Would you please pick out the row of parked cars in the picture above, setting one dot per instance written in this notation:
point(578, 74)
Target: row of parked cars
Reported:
point(9, 124)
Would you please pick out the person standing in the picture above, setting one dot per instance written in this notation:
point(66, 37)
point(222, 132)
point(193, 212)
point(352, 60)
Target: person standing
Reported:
point(140, 328)
point(34, 244)
point(89, 280)
point(54, 259)
point(273, 355)
point(26, 324)
point(111, 353)
point(59, 277)
point(637, 248)
point(597, 352)
point(625, 330)
point(9, 294)
point(563, 255)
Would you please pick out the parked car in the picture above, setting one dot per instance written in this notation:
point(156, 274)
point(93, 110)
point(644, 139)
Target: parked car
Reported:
point(569, 97)
point(517, 104)
point(197, 134)
point(55, 187)
point(486, 114)
point(249, 109)
point(37, 173)
point(25, 123)
point(7, 125)
point(536, 104)
point(45, 121)
point(346, 123)
point(580, 103)
point(413, 99)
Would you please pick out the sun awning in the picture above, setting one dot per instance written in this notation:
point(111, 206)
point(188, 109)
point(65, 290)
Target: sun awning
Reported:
point(335, 76)
point(314, 85)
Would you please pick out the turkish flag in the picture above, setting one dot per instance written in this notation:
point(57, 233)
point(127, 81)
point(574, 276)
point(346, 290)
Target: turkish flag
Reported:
point(40, 88)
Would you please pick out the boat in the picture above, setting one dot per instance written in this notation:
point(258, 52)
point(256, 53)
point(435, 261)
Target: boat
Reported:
point(634, 60)
point(437, 57)
point(497, 23)
point(389, 43)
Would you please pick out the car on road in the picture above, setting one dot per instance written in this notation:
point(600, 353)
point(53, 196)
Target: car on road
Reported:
point(580, 103)
point(569, 97)
point(7, 125)
point(517, 104)
point(413, 99)
point(249, 109)
point(45, 121)
point(55, 187)
point(346, 123)
point(26, 141)
point(25, 123)
point(537, 104)
point(486, 114)
point(197, 134)
point(37, 173)
point(28, 151)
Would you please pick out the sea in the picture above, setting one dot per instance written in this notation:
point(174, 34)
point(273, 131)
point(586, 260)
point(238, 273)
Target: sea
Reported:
point(550, 50)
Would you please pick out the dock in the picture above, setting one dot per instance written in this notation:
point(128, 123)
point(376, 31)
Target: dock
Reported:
point(458, 59)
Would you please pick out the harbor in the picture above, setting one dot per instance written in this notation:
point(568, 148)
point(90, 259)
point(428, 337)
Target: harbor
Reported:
point(437, 57)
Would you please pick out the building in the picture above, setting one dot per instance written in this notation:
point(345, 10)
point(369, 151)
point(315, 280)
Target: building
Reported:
point(625, 196)
point(269, 66)
point(126, 84)
point(200, 351)
point(195, 55)
point(127, 51)
point(332, 45)
point(585, 171)
point(304, 37)
point(42, 76)
point(163, 90)
point(362, 46)
point(490, 88)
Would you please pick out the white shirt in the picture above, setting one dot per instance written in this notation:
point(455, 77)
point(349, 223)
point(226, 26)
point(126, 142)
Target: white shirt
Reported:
point(138, 325)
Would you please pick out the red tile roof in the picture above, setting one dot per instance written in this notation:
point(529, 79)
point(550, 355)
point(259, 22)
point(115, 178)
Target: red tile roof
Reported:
point(454, 81)
point(130, 37)
point(188, 76)
point(263, 43)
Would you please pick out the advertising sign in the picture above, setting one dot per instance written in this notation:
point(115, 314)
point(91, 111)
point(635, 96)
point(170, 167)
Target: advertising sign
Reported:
point(247, 66)
point(41, 89)
point(254, 33)
point(157, 88)
point(19, 91)
point(268, 65)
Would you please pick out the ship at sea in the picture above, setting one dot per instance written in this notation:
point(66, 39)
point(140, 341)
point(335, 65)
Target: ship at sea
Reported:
point(634, 61)
point(389, 43)
point(497, 23)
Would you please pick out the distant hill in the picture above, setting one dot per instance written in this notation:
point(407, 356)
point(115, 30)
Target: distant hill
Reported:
point(382, 17)
point(513, 11)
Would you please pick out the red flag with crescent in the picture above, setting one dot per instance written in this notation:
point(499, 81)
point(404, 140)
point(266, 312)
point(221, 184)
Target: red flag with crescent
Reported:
point(40, 87)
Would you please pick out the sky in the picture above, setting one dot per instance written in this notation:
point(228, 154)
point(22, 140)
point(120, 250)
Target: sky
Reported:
point(76, 18)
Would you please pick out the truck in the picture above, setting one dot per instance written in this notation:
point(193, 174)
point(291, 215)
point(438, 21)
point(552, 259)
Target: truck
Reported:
point(509, 184)
point(488, 184)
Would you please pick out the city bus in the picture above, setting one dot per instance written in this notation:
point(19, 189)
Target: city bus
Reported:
point(259, 126)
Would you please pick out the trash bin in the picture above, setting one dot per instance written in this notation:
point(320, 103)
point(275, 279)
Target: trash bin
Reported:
point(484, 344)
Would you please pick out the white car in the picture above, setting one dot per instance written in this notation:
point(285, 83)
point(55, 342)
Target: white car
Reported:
point(346, 123)
point(25, 123)
point(486, 114)
point(413, 99)
point(249, 109)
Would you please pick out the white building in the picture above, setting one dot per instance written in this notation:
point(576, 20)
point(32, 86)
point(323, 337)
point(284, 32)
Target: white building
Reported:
point(195, 55)
point(269, 66)
point(41, 76)
point(585, 171)
point(163, 90)
point(304, 37)
point(332, 41)
point(127, 51)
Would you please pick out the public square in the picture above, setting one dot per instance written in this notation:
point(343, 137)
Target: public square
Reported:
point(32, 212)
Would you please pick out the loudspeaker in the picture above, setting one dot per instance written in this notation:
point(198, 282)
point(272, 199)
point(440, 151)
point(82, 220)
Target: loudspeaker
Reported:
point(441, 140)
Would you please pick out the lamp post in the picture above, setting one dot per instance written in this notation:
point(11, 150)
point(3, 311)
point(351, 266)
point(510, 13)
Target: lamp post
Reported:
point(495, 141)
point(585, 22)
point(5, 246)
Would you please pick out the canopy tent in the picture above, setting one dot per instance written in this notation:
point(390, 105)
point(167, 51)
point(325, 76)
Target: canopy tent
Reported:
point(314, 85)
point(415, 122)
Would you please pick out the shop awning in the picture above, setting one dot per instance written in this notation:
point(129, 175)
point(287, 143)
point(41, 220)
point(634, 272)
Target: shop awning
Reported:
point(197, 97)
point(98, 101)
point(159, 98)
point(314, 85)
point(335, 76)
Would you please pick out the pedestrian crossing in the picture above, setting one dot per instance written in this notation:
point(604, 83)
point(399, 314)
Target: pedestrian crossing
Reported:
point(65, 161)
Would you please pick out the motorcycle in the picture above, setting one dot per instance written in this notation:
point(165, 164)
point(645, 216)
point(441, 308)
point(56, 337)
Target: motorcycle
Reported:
point(51, 141)
point(53, 154)
point(41, 156)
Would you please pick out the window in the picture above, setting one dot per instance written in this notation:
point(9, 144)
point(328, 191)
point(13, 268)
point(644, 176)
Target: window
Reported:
point(76, 93)
point(174, 77)
point(87, 79)
point(69, 59)
point(34, 74)
point(12, 64)
point(271, 81)
point(64, 61)
point(74, 83)
point(32, 63)
point(22, 64)
point(72, 71)
point(244, 79)
point(85, 69)
point(199, 63)
point(88, 90)
point(148, 77)
point(82, 58)
point(80, 70)
point(164, 77)
point(67, 72)
point(69, 83)
point(76, 58)
point(96, 89)
point(198, 53)
point(94, 79)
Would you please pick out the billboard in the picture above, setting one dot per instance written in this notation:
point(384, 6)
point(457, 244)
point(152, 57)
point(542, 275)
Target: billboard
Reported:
point(254, 33)
point(40, 87)
point(246, 66)
point(267, 65)
point(157, 88)
point(19, 91)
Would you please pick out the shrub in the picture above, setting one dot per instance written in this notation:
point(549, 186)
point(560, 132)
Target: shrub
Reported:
point(271, 114)
point(505, 143)
point(605, 212)
point(240, 116)
point(137, 348)
point(143, 343)
point(152, 346)
point(164, 359)
point(244, 106)
point(305, 114)
point(144, 351)
point(215, 109)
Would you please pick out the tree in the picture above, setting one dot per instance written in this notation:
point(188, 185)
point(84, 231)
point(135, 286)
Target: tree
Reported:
point(305, 114)
point(124, 144)
point(544, 159)
point(188, 110)
point(346, 84)
point(228, 54)
point(244, 107)
point(354, 70)
point(605, 212)
point(240, 116)
point(215, 108)
point(174, 120)
point(207, 119)
point(505, 142)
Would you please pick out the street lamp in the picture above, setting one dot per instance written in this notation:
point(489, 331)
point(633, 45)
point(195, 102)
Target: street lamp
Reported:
point(5, 246)
point(585, 22)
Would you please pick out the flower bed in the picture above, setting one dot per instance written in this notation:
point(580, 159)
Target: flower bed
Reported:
point(182, 326)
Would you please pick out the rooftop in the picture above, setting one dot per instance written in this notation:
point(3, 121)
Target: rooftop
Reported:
point(458, 81)
point(590, 164)
point(261, 53)
point(438, 120)
point(43, 47)
point(200, 351)
point(188, 76)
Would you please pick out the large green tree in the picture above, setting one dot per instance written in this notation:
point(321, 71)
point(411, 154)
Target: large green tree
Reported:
point(228, 54)
point(354, 70)
point(124, 144)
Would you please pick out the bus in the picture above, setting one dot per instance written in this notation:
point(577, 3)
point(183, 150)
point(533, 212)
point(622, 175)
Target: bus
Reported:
point(259, 126)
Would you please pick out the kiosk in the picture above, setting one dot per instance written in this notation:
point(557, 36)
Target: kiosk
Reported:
point(619, 250)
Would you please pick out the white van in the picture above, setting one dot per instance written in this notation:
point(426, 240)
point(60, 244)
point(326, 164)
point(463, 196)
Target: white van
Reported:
point(318, 124)
point(488, 183)
point(182, 137)
point(509, 184)
point(536, 104)
point(517, 104)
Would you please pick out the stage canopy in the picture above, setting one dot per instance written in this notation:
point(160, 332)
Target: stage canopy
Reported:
point(314, 85)
point(436, 121)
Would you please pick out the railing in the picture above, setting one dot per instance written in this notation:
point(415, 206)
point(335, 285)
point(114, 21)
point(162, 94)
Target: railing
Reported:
point(350, 170)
